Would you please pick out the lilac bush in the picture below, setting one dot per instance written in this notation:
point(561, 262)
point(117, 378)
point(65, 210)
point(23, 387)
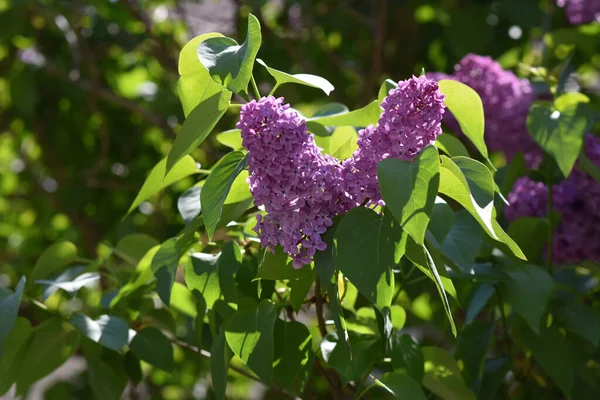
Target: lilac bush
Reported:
point(577, 200)
point(581, 11)
point(410, 120)
point(302, 189)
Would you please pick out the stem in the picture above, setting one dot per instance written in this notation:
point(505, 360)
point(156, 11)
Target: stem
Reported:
point(504, 324)
point(256, 92)
point(550, 232)
point(274, 89)
point(319, 305)
point(359, 389)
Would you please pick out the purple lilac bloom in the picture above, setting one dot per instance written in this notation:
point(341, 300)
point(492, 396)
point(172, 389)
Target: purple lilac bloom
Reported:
point(506, 100)
point(577, 200)
point(581, 11)
point(299, 187)
point(410, 120)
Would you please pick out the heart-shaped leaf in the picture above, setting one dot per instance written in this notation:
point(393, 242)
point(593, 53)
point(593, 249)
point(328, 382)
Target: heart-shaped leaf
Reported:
point(229, 63)
point(559, 127)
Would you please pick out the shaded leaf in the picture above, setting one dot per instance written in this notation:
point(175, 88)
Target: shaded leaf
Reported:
point(407, 357)
point(528, 292)
point(217, 186)
point(107, 330)
point(451, 145)
point(53, 259)
point(471, 350)
point(9, 309)
point(249, 334)
point(201, 274)
point(219, 364)
point(366, 238)
point(293, 345)
point(442, 375)
point(152, 346)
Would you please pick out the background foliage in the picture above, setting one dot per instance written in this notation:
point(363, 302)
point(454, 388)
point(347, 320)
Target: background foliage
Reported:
point(91, 104)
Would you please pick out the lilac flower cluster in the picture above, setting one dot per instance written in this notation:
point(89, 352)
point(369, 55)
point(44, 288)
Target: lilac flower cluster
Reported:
point(506, 100)
point(411, 119)
point(577, 200)
point(299, 187)
point(302, 189)
point(581, 11)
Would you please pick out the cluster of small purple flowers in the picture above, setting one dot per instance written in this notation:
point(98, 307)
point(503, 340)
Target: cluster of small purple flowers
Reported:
point(506, 100)
point(581, 11)
point(410, 120)
point(299, 187)
point(302, 189)
point(577, 200)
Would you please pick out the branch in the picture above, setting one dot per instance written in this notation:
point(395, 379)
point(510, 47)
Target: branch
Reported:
point(111, 97)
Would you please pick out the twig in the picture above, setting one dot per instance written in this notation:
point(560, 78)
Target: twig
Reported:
point(319, 307)
point(241, 371)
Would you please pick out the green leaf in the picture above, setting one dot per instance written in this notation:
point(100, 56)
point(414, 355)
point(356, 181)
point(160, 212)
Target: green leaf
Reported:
point(201, 274)
point(409, 190)
point(143, 275)
point(183, 300)
point(343, 346)
point(442, 219)
point(164, 266)
point(551, 350)
point(152, 346)
point(109, 331)
point(217, 186)
point(299, 288)
point(442, 375)
point(132, 367)
point(52, 341)
point(466, 106)
point(384, 89)
point(249, 334)
point(365, 116)
point(9, 362)
point(229, 262)
point(188, 204)
point(471, 184)
point(292, 362)
point(195, 83)
point(402, 386)
point(325, 260)
point(132, 248)
point(301, 79)
point(9, 309)
point(559, 127)
point(471, 350)
point(231, 138)
point(278, 267)
point(407, 357)
point(341, 144)
point(229, 63)
point(158, 179)
point(587, 166)
point(106, 373)
point(464, 240)
point(53, 260)
point(366, 238)
point(480, 298)
point(196, 127)
point(528, 292)
point(451, 145)
point(581, 320)
point(530, 234)
point(420, 256)
point(219, 364)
